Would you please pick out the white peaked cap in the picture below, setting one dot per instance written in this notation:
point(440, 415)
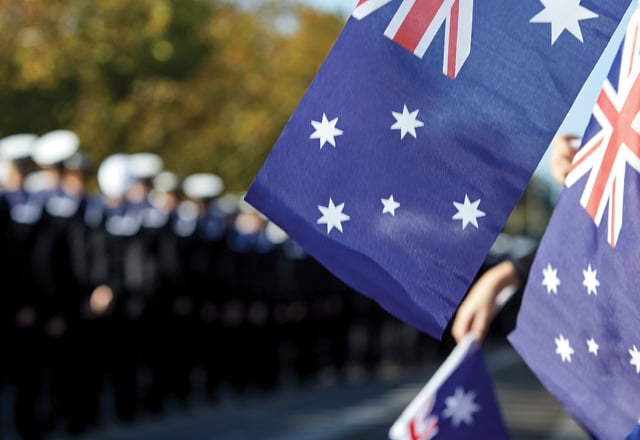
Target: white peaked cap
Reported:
point(227, 203)
point(113, 178)
point(166, 181)
point(144, 165)
point(55, 147)
point(202, 186)
point(17, 146)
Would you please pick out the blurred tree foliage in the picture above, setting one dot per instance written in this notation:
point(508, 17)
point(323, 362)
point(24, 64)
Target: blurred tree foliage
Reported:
point(204, 83)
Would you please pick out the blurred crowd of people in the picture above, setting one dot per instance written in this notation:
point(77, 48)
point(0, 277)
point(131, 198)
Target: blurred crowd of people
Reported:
point(134, 287)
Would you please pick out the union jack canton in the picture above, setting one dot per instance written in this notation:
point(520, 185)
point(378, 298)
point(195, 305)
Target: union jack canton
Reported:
point(615, 143)
point(415, 24)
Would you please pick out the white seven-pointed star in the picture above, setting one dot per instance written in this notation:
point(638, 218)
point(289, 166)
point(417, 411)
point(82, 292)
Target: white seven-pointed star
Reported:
point(332, 216)
point(390, 205)
point(593, 346)
point(635, 358)
point(460, 407)
point(590, 280)
point(551, 280)
point(563, 348)
point(563, 14)
point(406, 122)
point(468, 212)
point(326, 131)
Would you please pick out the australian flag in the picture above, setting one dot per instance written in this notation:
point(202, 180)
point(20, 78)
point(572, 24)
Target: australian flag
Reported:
point(579, 323)
point(418, 135)
point(457, 403)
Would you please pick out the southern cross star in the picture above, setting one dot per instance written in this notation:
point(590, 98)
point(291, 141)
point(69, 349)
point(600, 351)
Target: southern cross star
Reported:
point(326, 131)
point(390, 205)
point(468, 212)
point(590, 281)
point(332, 216)
point(551, 280)
point(563, 348)
point(593, 346)
point(406, 122)
point(563, 15)
point(635, 358)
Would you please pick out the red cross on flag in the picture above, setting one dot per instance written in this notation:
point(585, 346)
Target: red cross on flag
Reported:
point(617, 144)
point(416, 23)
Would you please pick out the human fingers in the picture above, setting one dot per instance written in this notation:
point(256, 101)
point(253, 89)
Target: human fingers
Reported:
point(563, 151)
point(462, 321)
point(481, 322)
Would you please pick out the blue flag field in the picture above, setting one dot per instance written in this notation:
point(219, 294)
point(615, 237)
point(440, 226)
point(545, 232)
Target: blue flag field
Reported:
point(579, 323)
point(418, 135)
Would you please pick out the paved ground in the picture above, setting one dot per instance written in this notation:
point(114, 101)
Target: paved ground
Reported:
point(359, 409)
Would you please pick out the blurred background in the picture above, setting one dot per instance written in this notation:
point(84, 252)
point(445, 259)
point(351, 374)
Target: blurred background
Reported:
point(141, 297)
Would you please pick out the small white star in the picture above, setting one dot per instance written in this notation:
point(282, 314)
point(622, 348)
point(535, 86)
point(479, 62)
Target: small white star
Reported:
point(635, 358)
point(390, 205)
point(332, 216)
point(551, 280)
point(590, 280)
point(406, 122)
point(563, 15)
point(563, 348)
point(593, 346)
point(468, 212)
point(460, 407)
point(326, 131)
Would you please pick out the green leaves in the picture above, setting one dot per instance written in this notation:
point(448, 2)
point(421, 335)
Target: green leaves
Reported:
point(203, 83)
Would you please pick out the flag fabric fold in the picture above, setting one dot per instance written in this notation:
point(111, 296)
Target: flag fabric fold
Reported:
point(579, 323)
point(418, 135)
point(458, 402)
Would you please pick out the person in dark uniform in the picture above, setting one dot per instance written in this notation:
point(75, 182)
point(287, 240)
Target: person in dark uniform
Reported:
point(202, 229)
point(21, 304)
point(238, 330)
point(168, 376)
point(135, 233)
point(5, 168)
point(56, 278)
point(262, 285)
point(289, 307)
point(113, 226)
point(84, 406)
point(278, 284)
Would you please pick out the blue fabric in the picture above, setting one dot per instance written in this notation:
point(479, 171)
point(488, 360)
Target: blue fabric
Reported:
point(482, 137)
point(458, 403)
point(579, 323)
